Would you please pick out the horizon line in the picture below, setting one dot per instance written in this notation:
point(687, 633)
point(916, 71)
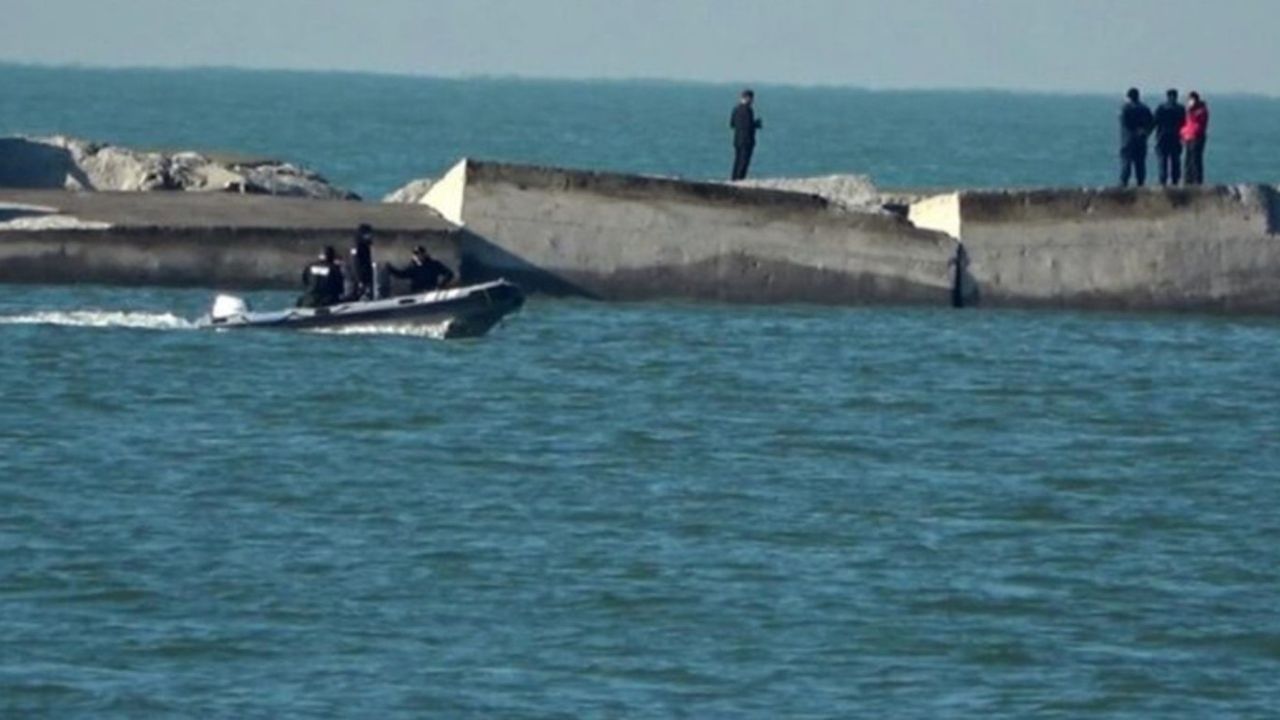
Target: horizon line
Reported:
point(636, 79)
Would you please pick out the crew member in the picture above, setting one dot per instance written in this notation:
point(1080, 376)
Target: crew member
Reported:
point(1135, 125)
point(323, 281)
point(1169, 118)
point(361, 264)
point(744, 124)
point(424, 272)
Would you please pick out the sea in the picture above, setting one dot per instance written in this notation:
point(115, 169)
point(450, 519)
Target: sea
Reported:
point(647, 510)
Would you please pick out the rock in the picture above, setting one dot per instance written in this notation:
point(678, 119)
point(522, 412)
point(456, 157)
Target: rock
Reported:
point(279, 178)
point(855, 192)
point(411, 193)
point(72, 164)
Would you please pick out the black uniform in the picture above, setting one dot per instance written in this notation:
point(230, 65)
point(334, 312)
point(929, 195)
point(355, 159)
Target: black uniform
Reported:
point(361, 271)
point(1168, 119)
point(744, 124)
point(324, 284)
point(1135, 125)
point(424, 275)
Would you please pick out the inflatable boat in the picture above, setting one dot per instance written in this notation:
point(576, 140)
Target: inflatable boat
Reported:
point(461, 312)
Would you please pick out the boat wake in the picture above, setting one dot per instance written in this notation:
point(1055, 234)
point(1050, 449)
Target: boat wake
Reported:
point(169, 321)
point(435, 331)
point(101, 319)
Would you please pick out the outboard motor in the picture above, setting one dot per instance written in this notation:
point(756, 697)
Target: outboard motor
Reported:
point(226, 306)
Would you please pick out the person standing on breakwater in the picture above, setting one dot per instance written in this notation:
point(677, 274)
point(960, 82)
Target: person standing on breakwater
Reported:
point(1169, 118)
point(1195, 133)
point(1135, 125)
point(322, 281)
point(744, 124)
point(361, 263)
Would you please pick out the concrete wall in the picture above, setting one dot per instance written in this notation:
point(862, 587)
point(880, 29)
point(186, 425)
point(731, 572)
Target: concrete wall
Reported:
point(939, 212)
point(626, 237)
point(214, 241)
point(1210, 248)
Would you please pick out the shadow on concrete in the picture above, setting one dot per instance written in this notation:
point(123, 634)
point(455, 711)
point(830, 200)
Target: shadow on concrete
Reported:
point(482, 261)
point(1271, 196)
point(964, 286)
point(27, 164)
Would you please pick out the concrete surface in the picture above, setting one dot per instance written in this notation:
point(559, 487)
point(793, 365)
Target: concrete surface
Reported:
point(855, 192)
point(1205, 248)
point(209, 240)
point(625, 237)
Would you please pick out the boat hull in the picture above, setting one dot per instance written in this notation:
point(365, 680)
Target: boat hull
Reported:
point(462, 312)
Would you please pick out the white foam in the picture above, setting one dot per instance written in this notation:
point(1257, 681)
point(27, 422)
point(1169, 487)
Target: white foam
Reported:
point(435, 331)
point(100, 319)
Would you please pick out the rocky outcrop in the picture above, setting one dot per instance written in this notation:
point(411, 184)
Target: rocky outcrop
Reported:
point(413, 192)
point(60, 162)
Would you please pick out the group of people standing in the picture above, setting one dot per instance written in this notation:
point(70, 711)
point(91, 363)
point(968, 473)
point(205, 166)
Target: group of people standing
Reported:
point(327, 282)
point(1181, 133)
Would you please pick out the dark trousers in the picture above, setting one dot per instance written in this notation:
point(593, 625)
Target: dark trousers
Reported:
point(1133, 159)
point(741, 161)
point(1195, 162)
point(1170, 164)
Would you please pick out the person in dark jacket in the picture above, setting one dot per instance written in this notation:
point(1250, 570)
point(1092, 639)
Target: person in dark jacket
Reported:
point(1136, 123)
point(322, 281)
point(424, 272)
point(361, 265)
point(1195, 133)
point(744, 124)
point(1169, 118)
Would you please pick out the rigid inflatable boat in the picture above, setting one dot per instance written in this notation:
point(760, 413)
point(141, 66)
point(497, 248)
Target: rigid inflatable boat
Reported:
point(461, 312)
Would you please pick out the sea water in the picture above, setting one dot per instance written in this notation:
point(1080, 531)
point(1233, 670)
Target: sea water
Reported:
point(374, 133)
point(637, 510)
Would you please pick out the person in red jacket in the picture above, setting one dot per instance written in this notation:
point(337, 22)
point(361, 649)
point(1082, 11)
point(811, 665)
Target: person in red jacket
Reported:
point(1195, 133)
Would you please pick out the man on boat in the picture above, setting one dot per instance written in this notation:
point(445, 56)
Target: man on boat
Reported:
point(323, 281)
point(424, 272)
point(361, 264)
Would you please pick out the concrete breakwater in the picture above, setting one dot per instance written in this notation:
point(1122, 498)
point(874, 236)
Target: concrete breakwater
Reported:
point(211, 240)
point(1198, 248)
point(623, 237)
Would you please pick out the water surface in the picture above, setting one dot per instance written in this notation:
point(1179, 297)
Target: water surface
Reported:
point(639, 511)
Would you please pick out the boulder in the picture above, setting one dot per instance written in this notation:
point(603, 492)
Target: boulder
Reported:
point(73, 164)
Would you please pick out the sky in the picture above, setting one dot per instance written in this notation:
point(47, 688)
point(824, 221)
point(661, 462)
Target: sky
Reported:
point(1218, 46)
